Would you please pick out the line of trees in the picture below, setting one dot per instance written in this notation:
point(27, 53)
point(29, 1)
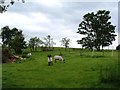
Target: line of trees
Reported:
point(13, 39)
point(46, 44)
point(98, 31)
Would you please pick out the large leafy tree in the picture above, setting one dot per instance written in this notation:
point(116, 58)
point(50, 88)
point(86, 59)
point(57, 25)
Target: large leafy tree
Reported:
point(65, 42)
point(13, 39)
point(98, 30)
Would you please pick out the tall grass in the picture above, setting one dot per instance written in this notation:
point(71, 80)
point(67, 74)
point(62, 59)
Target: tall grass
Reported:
point(110, 73)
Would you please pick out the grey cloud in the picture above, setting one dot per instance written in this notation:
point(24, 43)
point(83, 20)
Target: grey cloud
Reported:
point(68, 15)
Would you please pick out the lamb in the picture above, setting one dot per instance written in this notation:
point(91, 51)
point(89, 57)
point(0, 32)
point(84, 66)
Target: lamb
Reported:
point(57, 57)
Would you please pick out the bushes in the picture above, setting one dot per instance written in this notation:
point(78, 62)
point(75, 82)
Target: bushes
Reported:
point(8, 55)
point(5, 55)
point(46, 48)
point(25, 54)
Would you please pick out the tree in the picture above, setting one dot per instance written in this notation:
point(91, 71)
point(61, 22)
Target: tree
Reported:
point(118, 47)
point(13, 39)
point(65, 42)
point(98, 30)
point(4, 6)
point(49, 42)
point(6, 35)
point(34, 43)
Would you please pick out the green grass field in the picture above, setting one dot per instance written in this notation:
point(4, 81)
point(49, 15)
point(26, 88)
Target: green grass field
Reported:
point(77, 72)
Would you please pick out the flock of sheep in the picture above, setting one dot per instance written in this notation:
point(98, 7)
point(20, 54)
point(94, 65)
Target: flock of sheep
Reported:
point(50, 60)
point(56, 57)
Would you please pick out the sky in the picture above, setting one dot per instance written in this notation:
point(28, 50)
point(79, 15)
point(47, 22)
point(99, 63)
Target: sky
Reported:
point(57, 18)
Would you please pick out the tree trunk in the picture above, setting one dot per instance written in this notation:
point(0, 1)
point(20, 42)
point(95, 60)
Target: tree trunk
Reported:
point(98, 48)
point(102, 50)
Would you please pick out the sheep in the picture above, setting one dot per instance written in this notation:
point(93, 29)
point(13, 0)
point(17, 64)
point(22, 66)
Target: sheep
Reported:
point(29, 54)
point(57, 57)
point(50, 60)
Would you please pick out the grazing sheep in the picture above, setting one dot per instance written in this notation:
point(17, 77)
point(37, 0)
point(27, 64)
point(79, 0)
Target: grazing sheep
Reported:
point(29, 54)
point(56, 57)
point(50, 60)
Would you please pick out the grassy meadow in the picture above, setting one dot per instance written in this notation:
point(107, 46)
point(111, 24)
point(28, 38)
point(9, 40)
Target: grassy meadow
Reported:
point(78, 71)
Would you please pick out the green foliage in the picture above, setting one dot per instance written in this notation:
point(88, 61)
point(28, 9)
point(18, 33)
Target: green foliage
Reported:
point(13, 39)
point(97, 29)
point(6, 35)
point(24, 56)
point(48, 43)
point(65, 42)
point(34, 43)
point(26, 51)
point(44, 48)
point(118, 47)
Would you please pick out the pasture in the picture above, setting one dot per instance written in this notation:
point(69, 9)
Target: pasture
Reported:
point(77, 71)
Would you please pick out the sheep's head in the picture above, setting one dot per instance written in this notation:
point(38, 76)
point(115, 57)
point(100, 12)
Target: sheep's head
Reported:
point(64, 60)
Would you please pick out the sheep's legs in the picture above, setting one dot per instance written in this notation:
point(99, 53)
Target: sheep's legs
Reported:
point(48, 63)
point(55, 60)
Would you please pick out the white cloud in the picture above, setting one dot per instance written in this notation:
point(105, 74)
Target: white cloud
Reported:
point(38, 17)
point(15, 18)
point(50, 3)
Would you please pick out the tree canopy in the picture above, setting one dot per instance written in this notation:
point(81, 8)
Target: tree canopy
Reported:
point(48, 42)
point(13, 39)
point(98, 30)
point(65, 42)
point(34, 43)
point(118, 47)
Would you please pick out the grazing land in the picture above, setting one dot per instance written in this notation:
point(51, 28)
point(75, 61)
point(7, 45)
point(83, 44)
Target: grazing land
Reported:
point(78, 71)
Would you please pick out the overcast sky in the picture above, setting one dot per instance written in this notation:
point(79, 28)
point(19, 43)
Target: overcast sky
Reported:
point(58, 18)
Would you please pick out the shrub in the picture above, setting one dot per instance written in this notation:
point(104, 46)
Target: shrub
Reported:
point(5, 55)
point(118, 47)
point(46, 48)
point(25, 52)
point(24, 55)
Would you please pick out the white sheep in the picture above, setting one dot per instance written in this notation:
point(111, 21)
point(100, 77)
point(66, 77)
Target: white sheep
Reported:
point(29, 54)
point(49, 59)
point(57, 57)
